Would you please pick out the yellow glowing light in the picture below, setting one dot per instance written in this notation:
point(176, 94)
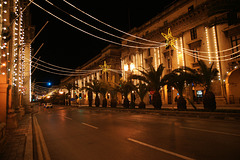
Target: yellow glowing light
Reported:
point(170, 40)
point(132, 66)
point(125, 67)
point(105, 67)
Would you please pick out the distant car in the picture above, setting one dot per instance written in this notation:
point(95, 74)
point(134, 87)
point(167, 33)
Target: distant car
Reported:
point(48, 105)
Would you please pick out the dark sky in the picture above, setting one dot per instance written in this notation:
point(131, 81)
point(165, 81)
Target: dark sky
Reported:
point(67, 47)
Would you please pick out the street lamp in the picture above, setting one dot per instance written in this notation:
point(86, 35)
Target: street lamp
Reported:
point(132, 67)
point(48, 83)
point(125, 67)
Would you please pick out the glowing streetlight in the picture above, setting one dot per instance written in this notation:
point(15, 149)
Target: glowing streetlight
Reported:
point(125, 67)
point(132, 67)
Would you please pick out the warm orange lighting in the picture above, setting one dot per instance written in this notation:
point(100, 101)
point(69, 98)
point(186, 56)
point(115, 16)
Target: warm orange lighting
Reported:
point(132, 66)
point(125, 67)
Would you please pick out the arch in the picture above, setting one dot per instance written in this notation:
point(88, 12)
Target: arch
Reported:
point(233, 86)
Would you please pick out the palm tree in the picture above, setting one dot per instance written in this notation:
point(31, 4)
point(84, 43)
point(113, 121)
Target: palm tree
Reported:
point(93, 86)
point(103, 91)
point(113, 89)
point(205, 77)
point(125, 87)
point(179, 79)
point(141, 90)
point(69, 87)
point(152, 78)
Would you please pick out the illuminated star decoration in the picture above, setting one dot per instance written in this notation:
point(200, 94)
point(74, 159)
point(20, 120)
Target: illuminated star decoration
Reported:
point(170, 40)
point(105, 67)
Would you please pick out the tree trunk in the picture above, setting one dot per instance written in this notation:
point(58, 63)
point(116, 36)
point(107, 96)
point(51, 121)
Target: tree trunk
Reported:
point(113, 103)
point(181, 104)
point(97, 101)
point(126, 103)
point(104, 102)
point(157, 101)
point(142, 105)
point(90, 98)
point(209, 102)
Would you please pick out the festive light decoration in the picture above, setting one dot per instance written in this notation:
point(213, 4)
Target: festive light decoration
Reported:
point(170, 40)
point(147, 40)
point(105, 67)
point(104, 39)
point(101, 29)
point(208, 47)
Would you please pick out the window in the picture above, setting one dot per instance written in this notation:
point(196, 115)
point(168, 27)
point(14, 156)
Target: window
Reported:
point(235, 41)
point(169, 63)
point(232, 17)
point(149, 52)
point(196, 54)
point(190, 9)
point(130, 58)
point(165, 23)
point(193, 33)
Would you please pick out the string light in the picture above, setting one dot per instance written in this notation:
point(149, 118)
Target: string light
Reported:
point(147, 40)
point(69, 69)
point(125, 45)
point(96, 27)
point(77, 72)
point(207, 59)
point(208, 47)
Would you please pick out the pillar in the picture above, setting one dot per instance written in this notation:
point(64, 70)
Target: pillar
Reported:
point(3, 98)
point(27, 76)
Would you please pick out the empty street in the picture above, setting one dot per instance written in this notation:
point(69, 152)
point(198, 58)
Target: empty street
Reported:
point(85, 133)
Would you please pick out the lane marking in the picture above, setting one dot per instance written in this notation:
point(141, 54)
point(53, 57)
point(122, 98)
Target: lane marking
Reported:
point(89, 125)
point(68, 118)
point(211, 131)
point(65, 116)
point(160, 149)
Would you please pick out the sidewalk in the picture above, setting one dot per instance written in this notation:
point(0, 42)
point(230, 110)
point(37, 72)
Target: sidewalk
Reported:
point(174, 106)
point(15, 143)
point(223, 112)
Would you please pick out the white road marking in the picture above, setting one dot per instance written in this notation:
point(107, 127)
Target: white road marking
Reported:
point(65, 116)
point(89, 125)
point(160, 149)
point(211, 131)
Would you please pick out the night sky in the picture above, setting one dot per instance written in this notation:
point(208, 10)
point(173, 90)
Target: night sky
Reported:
point(67, 47)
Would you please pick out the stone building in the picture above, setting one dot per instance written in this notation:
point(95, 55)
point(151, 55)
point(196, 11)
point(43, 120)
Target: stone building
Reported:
point(205, 29)
point(15, 37)
point(110, 55)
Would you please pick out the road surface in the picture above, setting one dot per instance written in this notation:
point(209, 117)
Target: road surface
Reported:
point(85, 134)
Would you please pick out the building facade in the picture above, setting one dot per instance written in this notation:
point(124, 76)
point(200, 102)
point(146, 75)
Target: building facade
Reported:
point(206, 30)
point(15, 33)
point(92, 70)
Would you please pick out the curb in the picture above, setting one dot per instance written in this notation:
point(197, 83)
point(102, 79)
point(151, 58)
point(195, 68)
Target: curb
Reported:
point(28, 155)
point(173, 113)
point(42, 150)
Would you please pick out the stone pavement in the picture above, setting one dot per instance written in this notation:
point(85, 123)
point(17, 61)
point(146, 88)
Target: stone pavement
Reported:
point(14, 146)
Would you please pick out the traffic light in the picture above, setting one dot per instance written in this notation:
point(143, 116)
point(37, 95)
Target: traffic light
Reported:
point(49, 83)
point(80, 95)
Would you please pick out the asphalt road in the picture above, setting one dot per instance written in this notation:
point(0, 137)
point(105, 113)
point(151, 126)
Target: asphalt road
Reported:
point(83, 134)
